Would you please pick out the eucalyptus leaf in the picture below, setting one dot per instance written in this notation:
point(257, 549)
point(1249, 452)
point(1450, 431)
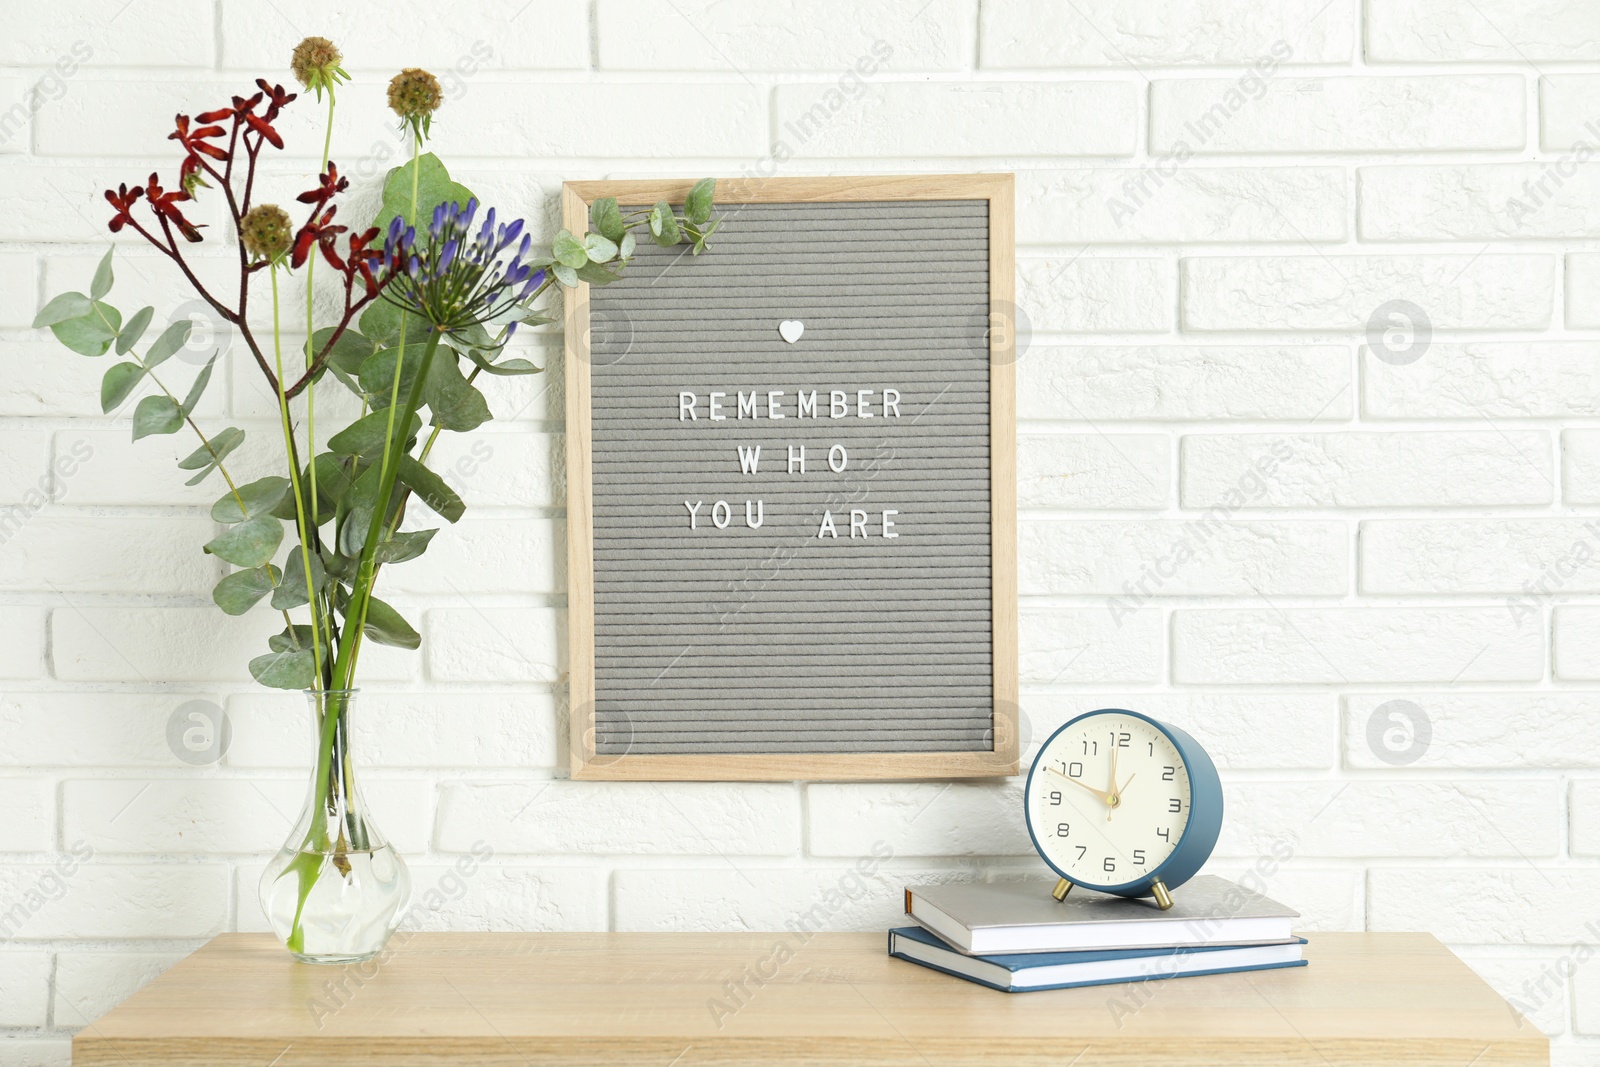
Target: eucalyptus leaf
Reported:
point(386, 626)
point(102, 277)
point(134, 330)
point(91, 334)
point(208, 457)
point(119, 381)
point(405, 546)
point(380, 325)
point(368, 435)
point(258, 498)
point(598, 248)
point(432, 489)
point(285, 670)
point(60, 309)
point(514, 365)
point(242, 590)
point(595, 274)
point(456, 405)
point(249, 544)
point(434, 187)
point(626, 245)
point(172, 338)
point(565, 275)
point(606, 218)
point(156, 414)
point(568, 250)
point(348, 351)
point(292, 639)
point(697, 205)
point(201, 380)
point(377, 374)
point(664, 225)
point(291, 592)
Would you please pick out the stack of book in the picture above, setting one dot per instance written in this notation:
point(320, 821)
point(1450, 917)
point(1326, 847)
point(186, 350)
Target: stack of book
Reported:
point(1017, 937)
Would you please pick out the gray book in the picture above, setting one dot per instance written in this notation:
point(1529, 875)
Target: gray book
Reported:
point(993, 919)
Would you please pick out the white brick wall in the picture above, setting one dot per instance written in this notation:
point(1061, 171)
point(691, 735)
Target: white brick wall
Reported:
point(1219, 205)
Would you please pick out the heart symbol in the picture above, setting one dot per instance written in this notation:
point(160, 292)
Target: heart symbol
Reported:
point(791, 329)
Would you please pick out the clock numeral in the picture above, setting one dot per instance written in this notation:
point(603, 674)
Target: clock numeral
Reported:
point(1074, 770)
point(1091, 747)
point(1138, 856)
point(1081, 850)
point(1167, 773)
point(1174, 804)
point(1119, 740)
point(1062, 829)
point(1165, 835)
point(1055, 798)
point(1152, 745)
point(1110, 865)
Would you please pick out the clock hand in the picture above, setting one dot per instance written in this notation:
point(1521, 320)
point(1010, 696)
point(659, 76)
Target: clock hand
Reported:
point(1116, 798)
point(1111, 780)
point(1101, 793)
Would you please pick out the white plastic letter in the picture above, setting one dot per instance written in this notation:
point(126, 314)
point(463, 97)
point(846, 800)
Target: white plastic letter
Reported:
point(774, 405)
point(761, 515)
point(686, 406)
point(891, 403)
point(863, 403)
point(837, 453)
point(692, 510)
point(727, 515)
point(828, 528)
point(797, 459)
point(716, 408)
point(838, 404)
point(858, 521)
point(747, 406)
point(806, 404)
point(888, 527)
point(749, 458)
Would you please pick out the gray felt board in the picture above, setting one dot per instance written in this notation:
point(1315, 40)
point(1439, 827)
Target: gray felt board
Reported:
point(773, 639)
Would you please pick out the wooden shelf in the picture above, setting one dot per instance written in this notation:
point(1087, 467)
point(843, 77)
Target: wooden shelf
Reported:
point(513, 1000)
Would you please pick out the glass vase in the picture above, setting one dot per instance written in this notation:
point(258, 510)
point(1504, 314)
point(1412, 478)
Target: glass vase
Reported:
point(336, 890)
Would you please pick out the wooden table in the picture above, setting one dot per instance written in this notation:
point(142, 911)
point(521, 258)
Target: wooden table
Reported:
point(512, 1000)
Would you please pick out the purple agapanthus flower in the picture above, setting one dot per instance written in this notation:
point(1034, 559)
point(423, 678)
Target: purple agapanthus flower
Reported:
point(457, 279)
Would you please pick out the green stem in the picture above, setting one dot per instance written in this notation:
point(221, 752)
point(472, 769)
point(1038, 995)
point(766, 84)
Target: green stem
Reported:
point(294, 478)
point(311, 386)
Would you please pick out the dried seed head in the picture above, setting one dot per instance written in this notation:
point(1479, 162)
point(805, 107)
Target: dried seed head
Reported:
point(414, 94)
point(266, 231)
point(315, 61)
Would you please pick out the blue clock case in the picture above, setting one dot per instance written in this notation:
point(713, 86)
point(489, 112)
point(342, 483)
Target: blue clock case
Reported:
point(1205, 812)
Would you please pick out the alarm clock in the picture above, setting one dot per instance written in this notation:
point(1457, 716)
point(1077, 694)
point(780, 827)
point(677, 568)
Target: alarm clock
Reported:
point(1120, 803)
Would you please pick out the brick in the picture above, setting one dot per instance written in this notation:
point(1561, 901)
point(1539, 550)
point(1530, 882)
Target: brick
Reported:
point(1022, 34)
point(1583, 289)
point(25, 479)
point(1534, 985)
point(1580, 466)
point(916, 819)
point(1583, 807)
point(632, 818)
point(145, 472)
point(1173, 558)
point(59, 553)
point(1509, 904)
point(78, 32)
point(19, 289)
point(180, 815)
point(151, 644)
point(102, 899)
point(21, 642)
point(1170, 203)
point(1240, 730)
point(1481, 201)
point(423, 729)
point(1489, 291)
point(24, 988)
point(1359, 819)
point(867, 894)
point(1567, 118)
point(1488, 380)
point(506, 897)
point(1092, 295)
point(30, 809)
point(1358, 114)
point(514, 469)
point(91, 729)
point(488, 555)
point(1087, 471)
point(1533, 559)
point(1327, 898)
point(1481, 731)
point(36, 1052)
point(1068, 646)
point(495, 644)
point(1575, 633)
point(1329, 645)
point(911, 119)
point(550, 35)
point(89, 984)
point(833, 36)
point(18, 104)
point(1364, 470)
point(1446, 31)
point(1185, 382)
point(43, 378)
point(49, 203)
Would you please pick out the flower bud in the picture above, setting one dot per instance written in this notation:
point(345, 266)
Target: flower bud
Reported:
point(266, 231)
point(414, 95)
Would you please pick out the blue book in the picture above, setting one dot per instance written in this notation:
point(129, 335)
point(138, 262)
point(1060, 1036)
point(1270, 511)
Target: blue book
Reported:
point(1025, 971)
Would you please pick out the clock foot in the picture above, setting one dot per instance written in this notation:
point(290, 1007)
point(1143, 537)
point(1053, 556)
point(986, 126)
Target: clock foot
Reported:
point(1162, 895)
point(1063, 887)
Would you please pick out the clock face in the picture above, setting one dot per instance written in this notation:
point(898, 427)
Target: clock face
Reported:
point(1108, 799)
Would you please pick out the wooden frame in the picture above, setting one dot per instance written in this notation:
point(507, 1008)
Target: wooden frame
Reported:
point(1003, 759)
